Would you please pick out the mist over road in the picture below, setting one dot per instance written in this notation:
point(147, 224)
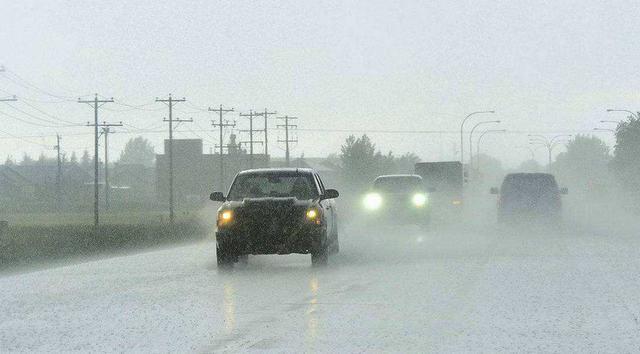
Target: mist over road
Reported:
point(476, 287)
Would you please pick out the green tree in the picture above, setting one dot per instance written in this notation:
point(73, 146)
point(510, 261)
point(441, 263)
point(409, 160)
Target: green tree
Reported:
point(406, 163)
point(85, 160)
point(626, 156)
point(584, 165)
point(26, 160)
point(138, 150)
point(359, 161)
point(74, 158)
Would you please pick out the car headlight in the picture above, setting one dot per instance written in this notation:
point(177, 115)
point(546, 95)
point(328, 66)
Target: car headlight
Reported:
point(313, 215)
point(372, 201)
point(225, 217)
point(419, 199)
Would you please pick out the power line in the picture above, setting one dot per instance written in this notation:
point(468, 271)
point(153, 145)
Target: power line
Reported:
point(13, 99)
point(132, 107)
point(32, 123)
point(10, 99)
point(47, 114)
point(286, 140)
point(26, 84)
point(50, 124)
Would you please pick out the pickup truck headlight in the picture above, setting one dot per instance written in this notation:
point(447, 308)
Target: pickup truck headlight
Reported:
point(373, 201)
point(225, 217)
point(419, 199)
point(313, 215)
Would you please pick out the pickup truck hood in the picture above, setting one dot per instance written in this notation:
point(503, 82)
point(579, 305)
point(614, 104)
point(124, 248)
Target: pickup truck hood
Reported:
point(268, 203)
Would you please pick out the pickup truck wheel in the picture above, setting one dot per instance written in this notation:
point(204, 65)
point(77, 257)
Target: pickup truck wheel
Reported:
point(225, 260)
point(319, 258)
point(335, 244)
point(320, 255)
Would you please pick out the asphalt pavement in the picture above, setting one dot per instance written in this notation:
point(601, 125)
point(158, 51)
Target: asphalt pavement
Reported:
point(471, 288)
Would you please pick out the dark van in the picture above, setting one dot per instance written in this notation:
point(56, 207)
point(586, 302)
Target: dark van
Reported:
point(529, 197)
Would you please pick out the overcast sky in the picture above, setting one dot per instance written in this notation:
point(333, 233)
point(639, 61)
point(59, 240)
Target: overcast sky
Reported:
point(548, 67)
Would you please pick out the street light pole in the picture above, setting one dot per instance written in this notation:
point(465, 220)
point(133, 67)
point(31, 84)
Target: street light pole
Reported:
point(634, 115)
point(480, 140)
point(471, 138)
point(462, 136)
point(605, 130)
point(549, 143)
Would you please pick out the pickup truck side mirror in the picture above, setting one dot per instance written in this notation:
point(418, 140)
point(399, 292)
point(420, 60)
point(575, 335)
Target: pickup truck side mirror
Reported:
point(217, 197)
point(330, 194)
point(494, 190)
point(564, 191)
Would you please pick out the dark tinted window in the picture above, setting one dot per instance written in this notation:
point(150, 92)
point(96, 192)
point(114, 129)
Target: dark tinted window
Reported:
point(273, 185)
point(530, 184)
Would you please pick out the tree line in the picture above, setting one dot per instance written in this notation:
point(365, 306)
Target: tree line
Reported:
point(137, 151)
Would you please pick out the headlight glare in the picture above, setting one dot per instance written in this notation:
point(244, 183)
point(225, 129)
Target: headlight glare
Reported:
point(419, 199)
point(312, 214)
point(225, 217)
point(372, 201)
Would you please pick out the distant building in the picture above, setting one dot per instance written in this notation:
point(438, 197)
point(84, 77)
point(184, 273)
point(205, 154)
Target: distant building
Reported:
point(197, 174)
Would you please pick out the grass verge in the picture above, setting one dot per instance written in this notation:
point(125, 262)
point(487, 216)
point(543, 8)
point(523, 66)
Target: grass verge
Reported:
point(25, 245)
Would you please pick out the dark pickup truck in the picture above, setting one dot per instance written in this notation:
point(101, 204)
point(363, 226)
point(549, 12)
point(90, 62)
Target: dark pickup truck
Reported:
point(276, 211)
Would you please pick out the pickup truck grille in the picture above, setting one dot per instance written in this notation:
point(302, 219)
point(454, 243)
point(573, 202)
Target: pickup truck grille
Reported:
point(270, 218)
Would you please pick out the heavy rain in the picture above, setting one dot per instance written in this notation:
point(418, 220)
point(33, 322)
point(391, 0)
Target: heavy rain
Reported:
point(285, 176)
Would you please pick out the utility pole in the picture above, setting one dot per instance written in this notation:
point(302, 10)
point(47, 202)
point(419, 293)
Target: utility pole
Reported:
point(96, 103)
point(266, 115)
point(106, 130)
point(286, 140)
point(221, 125)
point(58, 173)
point(251, 142)
point(171, 102)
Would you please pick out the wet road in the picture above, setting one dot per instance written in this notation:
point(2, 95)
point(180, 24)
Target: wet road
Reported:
point(444, 290)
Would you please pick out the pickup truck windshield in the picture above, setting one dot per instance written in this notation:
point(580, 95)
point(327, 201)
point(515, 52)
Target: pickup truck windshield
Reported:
point(397, 184)
point(274, 186)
